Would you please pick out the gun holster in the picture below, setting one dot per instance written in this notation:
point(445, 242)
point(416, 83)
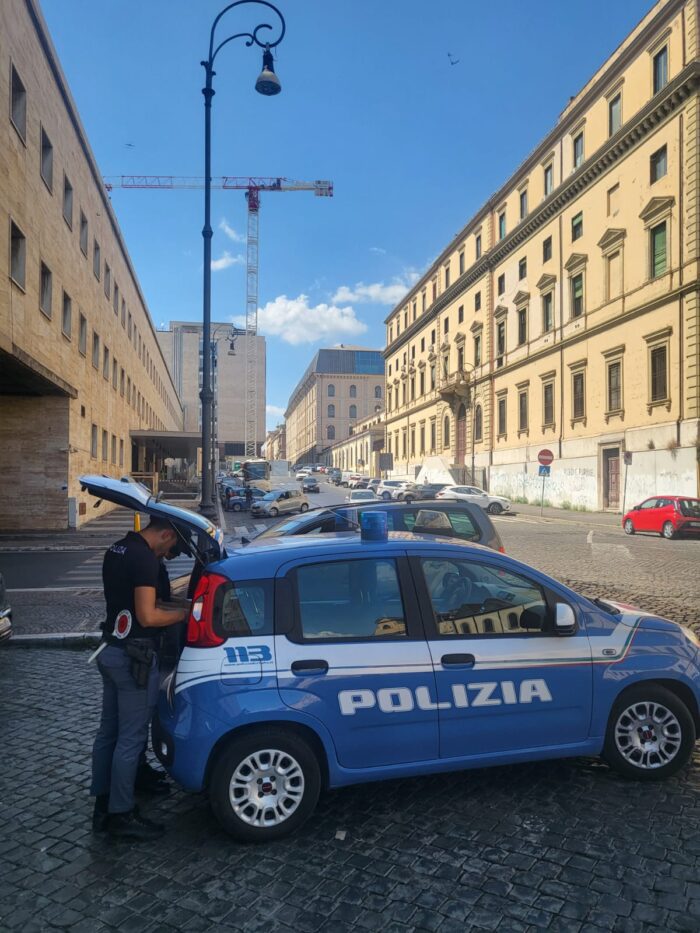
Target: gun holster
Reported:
point(141, 658)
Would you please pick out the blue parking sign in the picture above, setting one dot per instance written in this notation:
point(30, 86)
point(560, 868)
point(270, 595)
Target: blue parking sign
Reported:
point(544, 470)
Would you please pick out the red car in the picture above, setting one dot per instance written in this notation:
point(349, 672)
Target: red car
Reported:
point(666, 515)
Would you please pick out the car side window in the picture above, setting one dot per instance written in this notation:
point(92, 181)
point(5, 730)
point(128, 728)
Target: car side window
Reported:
point(349, 599)
point(447, 522)
point(470, 598)
point(649, 504)
point(243, 609)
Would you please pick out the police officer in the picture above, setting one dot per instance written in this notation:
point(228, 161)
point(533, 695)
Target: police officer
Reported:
point(129, 668)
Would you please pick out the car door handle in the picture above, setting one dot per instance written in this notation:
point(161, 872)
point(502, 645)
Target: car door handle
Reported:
point(458, 660)
point(311, 666)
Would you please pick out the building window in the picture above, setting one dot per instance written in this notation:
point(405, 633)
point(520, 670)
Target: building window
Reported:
point(105, 440)
point(548, 403)
point(122, 380)
point(461, 262)
point(502, 225)
point(67, 201)
point(547, 312)
point(422, 301)
point(660, 69)
point(121, 452)
point(331, 387)
point(18, 104)
point(579, 395)
point(95, 350)
point(577, 226)
point(114, 450)
point(477, 350)
point(353, 411)
point(548, 179)
point(613, 200)
point(501, 283)
point(115, 373)
point(421, 383)
point(522, 410)
point(46, 166)
point(614, 114)
point(614, 379)
point(96, 261)
point(501, 417)
point(45, 289)
point(477, 243)
point(657, 236)
point(67, 316)
point(108, 281)
point(578, 149)
point(658, 164)
point(433, 435)
point(522, 268)
point(414, 310)
point(460, 358)
point(353, 391)
point(434, 289)
point(83, 234)
point(403, 444)
point(446, 326)
point(659, 379)
point(446, 432)
point(377, 391)
point(477, 301)
point(547, 249)
point(82, 334)
point(105, 362)
point(460, 314)
point(18, 255)
point(577, 295)
point(422, 438)
point(115, 301)
point(331, 411)
point(522, 326)
point(447, 276)
point(500, 342)
point(330, 432)
point(413, 388)
point(432, 375)
point(614, 275)
point(523, 204)
point(93, 441)
point(478, 423)
point(432, 338)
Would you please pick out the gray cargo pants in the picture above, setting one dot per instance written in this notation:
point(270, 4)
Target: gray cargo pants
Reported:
point(126, 715)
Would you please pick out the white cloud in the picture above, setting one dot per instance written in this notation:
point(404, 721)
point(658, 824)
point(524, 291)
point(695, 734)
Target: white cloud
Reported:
point(232, 234)
point(378, 250)
point(276, 411)
point(377, 292)
point(295, 321)
point(226, 260)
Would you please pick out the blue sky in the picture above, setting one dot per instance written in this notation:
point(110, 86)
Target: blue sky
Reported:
point(413, 144)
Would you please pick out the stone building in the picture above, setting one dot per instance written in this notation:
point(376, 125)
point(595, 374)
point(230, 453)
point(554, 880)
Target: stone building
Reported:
point(276, 443)
point(565, 315)
point(341, 386)
point(182, 348)
point(360, 451)
point(80, 367)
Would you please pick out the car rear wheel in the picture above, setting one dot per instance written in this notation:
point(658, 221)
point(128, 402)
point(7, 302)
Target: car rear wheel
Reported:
point(236, 506)
point(274, 512)
point(651, 733)
point(495, 508)
point(303, 507)
point(386, 496)
point(668, 531)
point(628, 526)
point(265, 785)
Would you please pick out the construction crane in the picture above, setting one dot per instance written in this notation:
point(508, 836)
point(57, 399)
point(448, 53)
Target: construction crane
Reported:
point(252, 187)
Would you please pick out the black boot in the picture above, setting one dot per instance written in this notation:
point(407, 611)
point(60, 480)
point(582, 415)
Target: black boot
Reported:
point(151, 781)
point(132, 825)
point(100, 814)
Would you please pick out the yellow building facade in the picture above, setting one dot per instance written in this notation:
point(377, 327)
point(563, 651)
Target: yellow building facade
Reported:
point(360, 451)
point(566, 314)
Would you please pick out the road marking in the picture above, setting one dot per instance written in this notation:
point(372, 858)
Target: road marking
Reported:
point(589, 537)
point(55, 589)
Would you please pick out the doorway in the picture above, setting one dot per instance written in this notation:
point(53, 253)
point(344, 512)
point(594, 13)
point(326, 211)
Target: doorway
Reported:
point(461, 435)
point(611, 478)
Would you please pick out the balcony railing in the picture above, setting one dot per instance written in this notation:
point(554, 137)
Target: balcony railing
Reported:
point(455, 385)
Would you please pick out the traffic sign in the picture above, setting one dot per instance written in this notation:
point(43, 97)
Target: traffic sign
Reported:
point(544, 470)
point(545, 457)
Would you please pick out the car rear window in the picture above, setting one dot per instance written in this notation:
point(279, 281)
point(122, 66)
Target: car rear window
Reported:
point(243, 609)
point(449, 522)
point(689, 507)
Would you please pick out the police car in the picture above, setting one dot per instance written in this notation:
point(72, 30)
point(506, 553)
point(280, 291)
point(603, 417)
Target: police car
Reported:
point(324, 661)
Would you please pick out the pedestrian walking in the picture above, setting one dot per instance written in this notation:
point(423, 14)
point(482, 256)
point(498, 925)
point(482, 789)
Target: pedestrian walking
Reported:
point(129, 667)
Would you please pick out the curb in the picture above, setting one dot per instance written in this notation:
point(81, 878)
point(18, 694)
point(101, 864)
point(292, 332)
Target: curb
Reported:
point(59, 640)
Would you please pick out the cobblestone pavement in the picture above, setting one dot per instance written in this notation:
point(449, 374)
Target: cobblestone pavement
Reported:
point(562, 846)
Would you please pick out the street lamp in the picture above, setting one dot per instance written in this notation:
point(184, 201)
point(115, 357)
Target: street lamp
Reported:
point(214, 348)
point(267, 84)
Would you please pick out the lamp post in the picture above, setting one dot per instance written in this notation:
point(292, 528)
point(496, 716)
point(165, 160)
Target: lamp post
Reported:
point(214, 348)
point(267, 84)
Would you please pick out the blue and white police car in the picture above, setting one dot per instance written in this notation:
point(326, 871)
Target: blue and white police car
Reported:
point(323, 661)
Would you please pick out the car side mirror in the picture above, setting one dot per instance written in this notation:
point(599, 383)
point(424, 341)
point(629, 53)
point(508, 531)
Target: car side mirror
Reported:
point(564, 619)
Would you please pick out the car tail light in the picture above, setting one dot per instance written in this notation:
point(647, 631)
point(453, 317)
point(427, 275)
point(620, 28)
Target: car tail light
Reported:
point(200, 625)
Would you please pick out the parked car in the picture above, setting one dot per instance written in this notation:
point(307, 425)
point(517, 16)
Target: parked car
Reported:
point(374, 484)
point(335, 476)
point(302, 474)
point(402, 490)
point(360, 482)
point(422, 491)
point(361, 495)
point(493, 504)
point(666, 515)
point(447, 519)
point(225, 484)
point(236, 498)
point(279, 502)
point(387, 486)
point(348, 477)
point(310, 484)
point(5, 612)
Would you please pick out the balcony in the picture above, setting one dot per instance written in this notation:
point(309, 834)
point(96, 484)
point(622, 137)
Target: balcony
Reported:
point(455, 386)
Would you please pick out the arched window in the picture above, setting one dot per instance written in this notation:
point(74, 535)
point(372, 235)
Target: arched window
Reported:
point(377, 391)
point(331, 390)
point(353, 391)
point(330, 432)
point(331, 411)
point(477, 423)
point(353, 411)
point(446, 432)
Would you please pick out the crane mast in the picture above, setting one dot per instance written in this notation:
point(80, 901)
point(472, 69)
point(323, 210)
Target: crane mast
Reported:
point(252, 186)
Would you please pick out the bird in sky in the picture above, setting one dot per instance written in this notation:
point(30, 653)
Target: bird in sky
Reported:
point(453, 60)
point(129, 146)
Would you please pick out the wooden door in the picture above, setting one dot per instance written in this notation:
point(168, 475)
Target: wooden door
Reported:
point(611, 492)
point(461, 435)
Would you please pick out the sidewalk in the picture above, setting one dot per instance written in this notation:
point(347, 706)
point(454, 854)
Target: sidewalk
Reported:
point(605, 519)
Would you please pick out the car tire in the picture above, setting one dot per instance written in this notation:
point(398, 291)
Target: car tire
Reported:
point(279, 758)
point(628, 526)
point(386, 496)
point(408, 499)
point(668, 531)
point(274, 512)
point(495, 508)
point(659, 714)
point(236, 507)
point(303, 507)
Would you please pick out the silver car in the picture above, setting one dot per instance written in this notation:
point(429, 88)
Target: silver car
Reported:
point(280, 502)
point(493, 504)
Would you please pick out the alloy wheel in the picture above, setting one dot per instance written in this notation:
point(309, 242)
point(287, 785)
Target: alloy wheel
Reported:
point(648, 735)
point(266, 788)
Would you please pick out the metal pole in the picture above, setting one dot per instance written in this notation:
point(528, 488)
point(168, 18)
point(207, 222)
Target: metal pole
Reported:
point(544, 477)
point(206, 395)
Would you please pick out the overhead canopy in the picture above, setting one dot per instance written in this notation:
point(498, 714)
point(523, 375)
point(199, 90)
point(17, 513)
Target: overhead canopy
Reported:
point(179, 444)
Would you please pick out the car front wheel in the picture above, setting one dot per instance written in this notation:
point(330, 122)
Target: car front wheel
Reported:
point(495, 508)
point(651, 733)
point(386, 496)
point(265, 785)
point(668, 531)
point(274, 512)
point(628, 526)
point(304, 507)
point(236, 506)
